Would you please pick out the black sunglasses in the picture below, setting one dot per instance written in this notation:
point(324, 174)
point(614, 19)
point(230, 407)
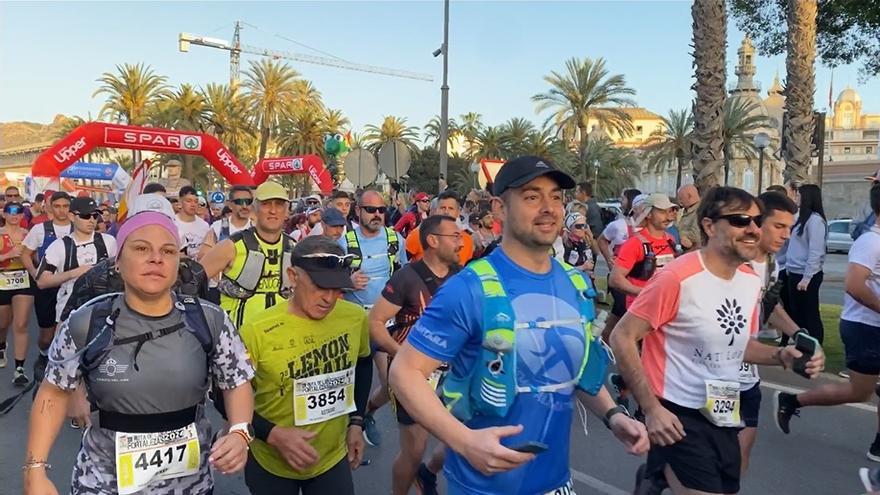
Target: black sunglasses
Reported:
point(740, 220)
point(580, 225)
point(88, 216)
point(243, 201)
point(323, 260)
point(312, 202)
point(375, 209)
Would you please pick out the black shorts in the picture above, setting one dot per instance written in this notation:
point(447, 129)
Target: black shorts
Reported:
point(44, 306)
point(861, 346)
point(403, 417)
point(618, 308)
point(7, 295)
point(750, 405)
point(706, 459)
point(336, 480)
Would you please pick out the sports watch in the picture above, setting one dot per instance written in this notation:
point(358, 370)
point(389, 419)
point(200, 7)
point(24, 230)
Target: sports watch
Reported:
point(611, 412)
point(244, 429)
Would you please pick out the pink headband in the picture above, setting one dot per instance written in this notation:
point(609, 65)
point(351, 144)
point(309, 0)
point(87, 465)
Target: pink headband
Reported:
point(144, 219)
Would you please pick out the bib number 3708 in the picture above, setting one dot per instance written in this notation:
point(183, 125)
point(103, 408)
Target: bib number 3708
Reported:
point(722, 403)
point(143, 458)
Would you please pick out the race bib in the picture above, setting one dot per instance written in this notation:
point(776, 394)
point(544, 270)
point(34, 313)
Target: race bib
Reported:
point(722, 403)
point(566, 489)
point(748, 373)
point(144, 458)
point(664, 259)
point(14, 280)
point(323, 397)
point(434, 379)
point(573, 258)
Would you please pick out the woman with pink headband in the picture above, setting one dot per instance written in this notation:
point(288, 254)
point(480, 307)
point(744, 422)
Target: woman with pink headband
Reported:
point(147, 358)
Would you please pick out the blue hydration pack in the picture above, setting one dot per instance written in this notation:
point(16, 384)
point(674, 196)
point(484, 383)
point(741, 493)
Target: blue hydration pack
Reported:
point(491, 386)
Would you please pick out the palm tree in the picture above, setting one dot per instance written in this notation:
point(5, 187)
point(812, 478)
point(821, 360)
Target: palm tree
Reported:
point(470, 126)
point(270, 89)
point(432, 132)
point(543, 143)
point(710, 43)
point(742, 119)
point(390, 128)
point(586, 91)
point(302, 134)
point(491, 143)
point(130, 92)
point(186, 109)
point(672, 142)
point(517, 131)
point(334, 120)
point(226, 116)
point(800, 84)
point(617, 167)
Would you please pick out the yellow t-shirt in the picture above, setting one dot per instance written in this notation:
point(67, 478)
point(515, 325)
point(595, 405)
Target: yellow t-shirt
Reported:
point(284, 347)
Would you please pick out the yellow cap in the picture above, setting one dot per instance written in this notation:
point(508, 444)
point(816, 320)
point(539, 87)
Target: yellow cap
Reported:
point(270, 190)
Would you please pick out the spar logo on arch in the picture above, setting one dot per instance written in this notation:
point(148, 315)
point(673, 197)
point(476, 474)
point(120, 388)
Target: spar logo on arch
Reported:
point(155, 139)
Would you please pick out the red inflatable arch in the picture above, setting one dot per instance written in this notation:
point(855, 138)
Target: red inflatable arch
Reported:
point(91, 135)
point(306, 164)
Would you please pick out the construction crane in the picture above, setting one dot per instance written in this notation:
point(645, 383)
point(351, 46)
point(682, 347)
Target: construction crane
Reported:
point(235, 49)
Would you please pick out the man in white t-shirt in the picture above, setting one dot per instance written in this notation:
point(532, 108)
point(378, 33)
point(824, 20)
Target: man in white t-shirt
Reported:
point(71, 256)
point(192, 229)
point(241, 200)
point(609, 241)
point(859, 331)
point(695, 319)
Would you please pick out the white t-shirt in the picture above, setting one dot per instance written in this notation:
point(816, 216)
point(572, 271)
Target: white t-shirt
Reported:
point(702, 324)
point(218, 225)
point(37, 235)
point(86, 254)
point(616, 232)
point(865, 251)
point(192, 234)
point(748, 373)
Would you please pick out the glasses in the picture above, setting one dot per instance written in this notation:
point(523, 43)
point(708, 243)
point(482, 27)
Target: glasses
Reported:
point(580, 225)
point(375, 209)
point(312, 202)
point(13, 195)
point(88, 216)
point(456, 235)
point(424, 201)
point(15, 210)
point(740, 220)
point(243, 201)
point(324, 260)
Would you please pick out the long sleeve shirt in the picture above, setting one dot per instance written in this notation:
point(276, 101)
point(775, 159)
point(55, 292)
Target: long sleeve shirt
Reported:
point(806, 252)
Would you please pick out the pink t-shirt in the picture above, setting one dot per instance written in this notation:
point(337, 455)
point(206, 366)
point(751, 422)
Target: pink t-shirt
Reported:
point(701, 324)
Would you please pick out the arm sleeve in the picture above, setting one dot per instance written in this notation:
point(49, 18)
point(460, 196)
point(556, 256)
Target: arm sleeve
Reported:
point(630, 253)
point(231, 365)
point(658, 302)
point(363, 383)
point(450, 320)
point(816, 230)
point(63, 369)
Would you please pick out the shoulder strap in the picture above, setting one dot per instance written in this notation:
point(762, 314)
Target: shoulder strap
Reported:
point(249, 237)
point(100, 246)
point(498, 316)
point(354, 248)
point(428, 278)
point(97, 338)
point(224, 229)
point(49, 229)
point(70, 261)
point(196, 322)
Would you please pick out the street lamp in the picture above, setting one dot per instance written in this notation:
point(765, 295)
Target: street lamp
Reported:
point(761, 140)
point(444, 92)
point(475, 167)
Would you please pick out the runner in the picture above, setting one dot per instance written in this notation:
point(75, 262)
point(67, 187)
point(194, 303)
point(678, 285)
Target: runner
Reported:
point(149, 434)
point(332, 224)
point(414, 215)
point(609, 242)
point(35, 245)
point(447, 204)
point(532, 409)
point(378, 253)
point(688, 227)
point(481, 228)
point(404, 299)
point(252, 261)
point(16, 291)
point(312, 381)
point(342, 202)
point(312, 223)
point(193, 228)
point(696, 318)
point(576, 242)
point(241, 200)
point(859, 330)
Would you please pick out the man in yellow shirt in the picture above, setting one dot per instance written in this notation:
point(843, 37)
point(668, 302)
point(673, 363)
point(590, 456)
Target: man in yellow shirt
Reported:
point(313, 379)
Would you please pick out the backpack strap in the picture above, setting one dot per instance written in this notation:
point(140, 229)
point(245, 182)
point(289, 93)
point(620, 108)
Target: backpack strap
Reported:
point(99, 337)
point(353, 247)
point(100, 247)
point(70, 261)
point(196, 322)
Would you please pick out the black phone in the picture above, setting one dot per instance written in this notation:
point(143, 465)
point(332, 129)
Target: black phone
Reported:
point(530, 447)
point(808, 346)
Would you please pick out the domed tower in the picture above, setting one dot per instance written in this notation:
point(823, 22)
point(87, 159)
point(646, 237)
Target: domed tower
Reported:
point(848, 109)
point(775, 103)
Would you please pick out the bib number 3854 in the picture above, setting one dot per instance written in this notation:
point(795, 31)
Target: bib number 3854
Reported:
point(143, 458)
point(722, 403)
point(324, 397)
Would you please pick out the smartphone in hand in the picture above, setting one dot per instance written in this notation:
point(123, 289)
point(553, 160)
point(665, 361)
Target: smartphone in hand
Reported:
point(530, 447)
point(808, 346)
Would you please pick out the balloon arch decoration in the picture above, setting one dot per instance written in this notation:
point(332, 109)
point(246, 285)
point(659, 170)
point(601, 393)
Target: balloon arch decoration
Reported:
point(64, 153)
point(305, 164)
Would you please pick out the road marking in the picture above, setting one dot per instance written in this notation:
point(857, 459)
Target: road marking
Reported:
point(793, 390)
point(597, 484)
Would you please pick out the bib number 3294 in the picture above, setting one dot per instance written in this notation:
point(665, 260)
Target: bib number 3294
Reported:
point(722, 403)
point(143, 458)
point(324, 397)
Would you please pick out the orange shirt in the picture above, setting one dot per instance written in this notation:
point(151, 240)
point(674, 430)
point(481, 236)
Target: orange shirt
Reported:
point(415, 251)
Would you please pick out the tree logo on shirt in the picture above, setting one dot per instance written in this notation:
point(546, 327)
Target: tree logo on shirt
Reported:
point(731, 319)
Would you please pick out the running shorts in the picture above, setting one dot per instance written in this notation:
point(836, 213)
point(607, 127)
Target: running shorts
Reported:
point(861, 345)
point(750, 405)
point(44, 306)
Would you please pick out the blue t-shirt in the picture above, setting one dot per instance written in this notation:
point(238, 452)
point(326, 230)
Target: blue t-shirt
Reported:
point(374, 264)
point(450, 330)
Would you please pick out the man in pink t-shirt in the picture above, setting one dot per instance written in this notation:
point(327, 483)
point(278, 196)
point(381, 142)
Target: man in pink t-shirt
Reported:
point(695, 319)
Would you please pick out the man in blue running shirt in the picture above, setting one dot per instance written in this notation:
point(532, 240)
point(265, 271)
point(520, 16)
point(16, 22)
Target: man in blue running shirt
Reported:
point(549, 344)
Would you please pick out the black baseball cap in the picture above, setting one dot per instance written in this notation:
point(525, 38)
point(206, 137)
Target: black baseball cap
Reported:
point(522, 170)
point(324, 261)
point(83, 206)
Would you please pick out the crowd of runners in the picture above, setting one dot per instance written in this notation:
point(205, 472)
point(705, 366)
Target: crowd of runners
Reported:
point(479, 316)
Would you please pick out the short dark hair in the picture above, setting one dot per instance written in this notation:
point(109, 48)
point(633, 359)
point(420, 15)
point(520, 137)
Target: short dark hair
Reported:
point(448, 195)
point(186, 191)
point(240, 188)
point(431, 226)
point(317, 244)
point(340, 194)
point(875, 199)
point(720, 198)
point(586, 187)
point(39, 197)
point(12, 187)
point(777, 201)
point(154, 187)
point(777, 188)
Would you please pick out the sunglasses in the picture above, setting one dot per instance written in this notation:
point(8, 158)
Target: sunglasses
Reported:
point(424, 201)
point(324, 260)
point(740, 220)
point(312, 202)
point(88, 216)
point(580, 225)
point(14, 210)
point(243, 201)
point(375, 209)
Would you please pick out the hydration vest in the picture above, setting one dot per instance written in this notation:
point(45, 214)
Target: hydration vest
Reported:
point(224, 229)
point(354, 247)
point(70, 261)
point(244, 284)
point(644, 270)
point(49, 229)
point(772, 290)
point(491, 386)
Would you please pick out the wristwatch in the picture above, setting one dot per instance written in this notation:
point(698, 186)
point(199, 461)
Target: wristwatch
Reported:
point(611, 412)
point(244, 429)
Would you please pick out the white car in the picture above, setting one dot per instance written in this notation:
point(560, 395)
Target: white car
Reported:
point(839, 236)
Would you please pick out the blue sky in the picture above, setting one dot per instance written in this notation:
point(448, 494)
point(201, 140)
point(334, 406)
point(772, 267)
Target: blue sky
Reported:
point(52, 53)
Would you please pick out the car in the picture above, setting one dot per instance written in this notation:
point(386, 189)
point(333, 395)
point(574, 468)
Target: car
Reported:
point(839, 236)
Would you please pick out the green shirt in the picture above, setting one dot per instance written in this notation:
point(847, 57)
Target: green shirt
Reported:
point(284, 347)
point(689, 227)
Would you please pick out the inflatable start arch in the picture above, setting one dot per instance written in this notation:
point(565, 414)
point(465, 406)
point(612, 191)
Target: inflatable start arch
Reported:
point(91, 135)
point(306, 164)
